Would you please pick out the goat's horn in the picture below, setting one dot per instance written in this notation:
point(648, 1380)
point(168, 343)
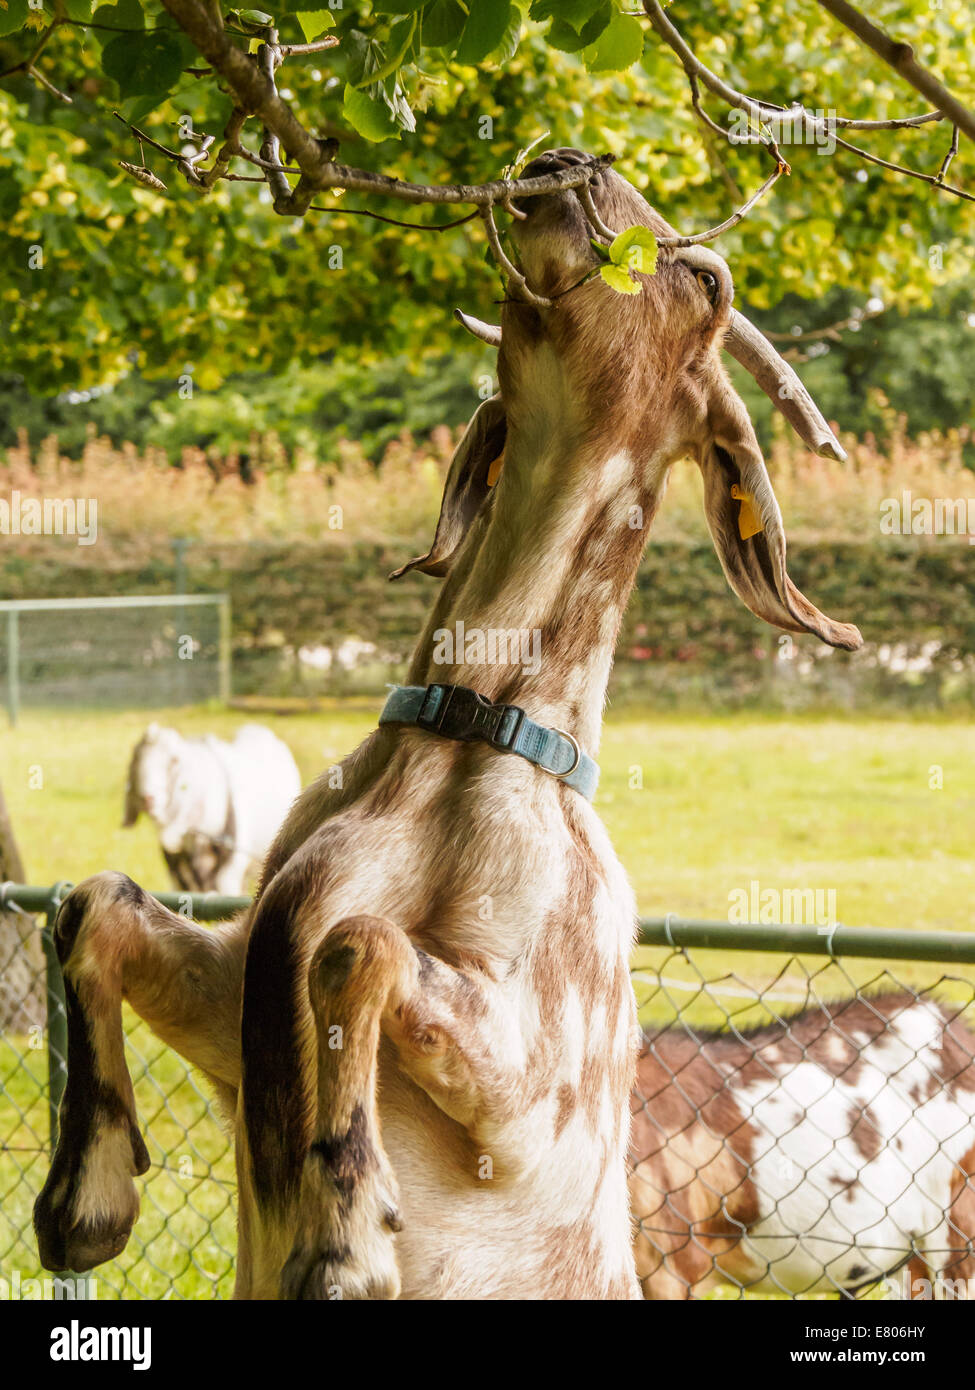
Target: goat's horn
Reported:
point(485, 331)
point(782, 386)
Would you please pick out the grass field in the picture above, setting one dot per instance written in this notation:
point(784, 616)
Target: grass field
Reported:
point(698, 808)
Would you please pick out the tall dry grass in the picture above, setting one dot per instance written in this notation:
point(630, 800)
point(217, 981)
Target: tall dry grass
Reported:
point(143, 501)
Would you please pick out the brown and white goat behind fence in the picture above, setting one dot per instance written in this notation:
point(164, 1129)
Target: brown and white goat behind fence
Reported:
point(823, 1153)
point(425, 1027)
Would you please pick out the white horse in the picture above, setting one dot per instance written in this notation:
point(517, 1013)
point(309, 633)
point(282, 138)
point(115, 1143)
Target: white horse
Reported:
point(217, 805)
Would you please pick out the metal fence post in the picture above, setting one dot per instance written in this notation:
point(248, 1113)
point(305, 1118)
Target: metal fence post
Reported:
point(57, 1018)
point(13, 664)
point(225, 648)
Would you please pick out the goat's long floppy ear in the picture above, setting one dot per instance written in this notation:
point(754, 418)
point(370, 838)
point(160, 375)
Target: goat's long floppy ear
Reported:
point(468, 485)
point(746, 525)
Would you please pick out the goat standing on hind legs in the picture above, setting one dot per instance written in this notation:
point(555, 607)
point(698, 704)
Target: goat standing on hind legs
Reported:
point(425, 1025)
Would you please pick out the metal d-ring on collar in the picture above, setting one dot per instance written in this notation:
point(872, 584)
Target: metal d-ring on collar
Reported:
point(578, 752)
point(456, 712)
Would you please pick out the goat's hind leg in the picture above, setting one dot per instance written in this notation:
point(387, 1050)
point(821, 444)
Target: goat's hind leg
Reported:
point(348, 1200)
point(115, 941)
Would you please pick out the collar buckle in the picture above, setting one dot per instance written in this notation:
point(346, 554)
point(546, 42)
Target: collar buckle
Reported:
point(455, 711)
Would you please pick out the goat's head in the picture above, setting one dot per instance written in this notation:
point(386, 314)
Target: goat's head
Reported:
point(604, 374)
point(154, 772)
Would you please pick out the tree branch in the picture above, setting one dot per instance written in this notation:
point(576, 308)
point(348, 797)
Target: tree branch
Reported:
point(762, 110)
point(936, 180)
point(395, 221)
point(293, 50)
point(833, 331)
point(515, 277)
point(900, 56)
point(255, 93)
point(765, 111)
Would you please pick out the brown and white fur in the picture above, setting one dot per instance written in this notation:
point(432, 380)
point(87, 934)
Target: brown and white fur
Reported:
point(424, 1027)
point(819, 1154)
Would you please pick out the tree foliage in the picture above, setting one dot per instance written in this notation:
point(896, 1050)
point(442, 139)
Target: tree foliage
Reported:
point(107, 271)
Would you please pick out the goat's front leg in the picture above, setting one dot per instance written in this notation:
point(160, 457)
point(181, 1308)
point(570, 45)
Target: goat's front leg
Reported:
point(456, 1038)
point(115, 942)
point(452, 1037)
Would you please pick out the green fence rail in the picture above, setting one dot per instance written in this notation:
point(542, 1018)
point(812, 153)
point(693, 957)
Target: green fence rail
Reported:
point(189, 1223)
point(878, 943)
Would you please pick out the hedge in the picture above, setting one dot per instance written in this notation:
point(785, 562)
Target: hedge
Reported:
point(685, 635)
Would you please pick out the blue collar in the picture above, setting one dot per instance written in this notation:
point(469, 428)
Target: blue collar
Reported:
point(453, 711)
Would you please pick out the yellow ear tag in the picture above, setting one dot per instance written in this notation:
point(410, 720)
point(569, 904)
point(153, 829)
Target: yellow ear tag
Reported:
point(494, 471)
point(748, 520)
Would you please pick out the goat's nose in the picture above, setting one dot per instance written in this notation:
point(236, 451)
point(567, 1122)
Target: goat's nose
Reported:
point(551, 161)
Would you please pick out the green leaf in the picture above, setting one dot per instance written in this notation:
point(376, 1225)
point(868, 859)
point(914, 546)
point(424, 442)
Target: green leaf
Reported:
point(484, 31)
point(574, 12)
point(254, 22)
point(594, 26)
point(314, 23)
point(508, 46)
point(14, 17)
point(127, 14)
point(397, 6)
point(635, 249)
point(136, 109)
point(620, 280)
point(143, 64)
point(600, 250)
point(78, 9)
point(563, 37)
point(369, 118)
point(618, 46)
point(443, 23)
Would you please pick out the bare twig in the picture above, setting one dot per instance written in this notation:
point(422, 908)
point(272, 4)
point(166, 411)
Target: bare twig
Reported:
point(584, 194)
point(294, 50)
point(395, 221)
point(268, 58)
point(183, 164)
point(733, 220)
point(38, 76)
point(833, 331)
point(515, 277)
point(934, 180)
point(952, 151)
point(220, 168)
point(764, 111)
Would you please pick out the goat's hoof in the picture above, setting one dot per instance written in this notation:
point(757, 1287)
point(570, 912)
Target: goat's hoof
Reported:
point(331, 1275)
point(348, 1255)
point(89, 1203)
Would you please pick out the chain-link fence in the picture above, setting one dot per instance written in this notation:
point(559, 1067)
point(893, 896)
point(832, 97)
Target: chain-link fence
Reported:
point(804, 1115)
point(805, 1127)
point(115, 652)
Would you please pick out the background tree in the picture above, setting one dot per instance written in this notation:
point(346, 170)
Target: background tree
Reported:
point(111, 271)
